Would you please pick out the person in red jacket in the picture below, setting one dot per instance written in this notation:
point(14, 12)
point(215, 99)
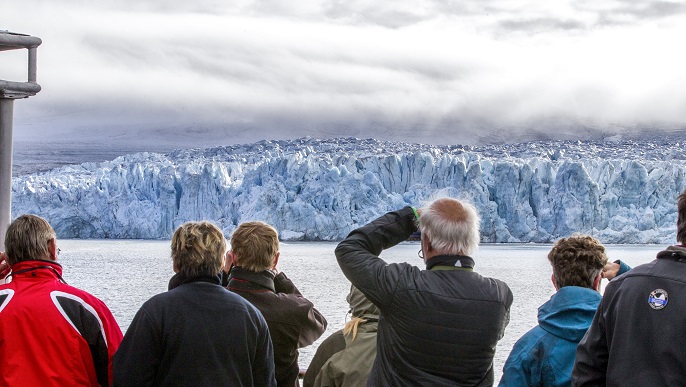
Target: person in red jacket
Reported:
point(51, 334)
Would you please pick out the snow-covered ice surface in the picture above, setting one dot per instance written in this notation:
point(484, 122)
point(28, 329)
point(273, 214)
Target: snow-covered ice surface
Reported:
point(619, 191)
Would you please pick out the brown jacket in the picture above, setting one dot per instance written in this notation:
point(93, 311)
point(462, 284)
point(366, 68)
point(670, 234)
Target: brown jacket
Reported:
point(292, 319)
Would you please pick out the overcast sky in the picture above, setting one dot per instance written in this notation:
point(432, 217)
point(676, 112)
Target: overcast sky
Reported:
point(210, 72)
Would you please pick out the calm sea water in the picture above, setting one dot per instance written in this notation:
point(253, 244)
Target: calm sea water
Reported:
point(126, 273)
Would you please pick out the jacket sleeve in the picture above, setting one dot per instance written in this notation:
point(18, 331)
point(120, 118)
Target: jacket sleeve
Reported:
point(517, 369)
point(283, 284)
point(94, 321)
point(358, 254)
point(312, 323)
point(139, 354)
point(312, 327)
point(114, 338)
point(623, 267)
point(330, 346)
point(592, 353)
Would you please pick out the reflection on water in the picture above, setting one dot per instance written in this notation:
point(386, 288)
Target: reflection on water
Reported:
point(124, 274)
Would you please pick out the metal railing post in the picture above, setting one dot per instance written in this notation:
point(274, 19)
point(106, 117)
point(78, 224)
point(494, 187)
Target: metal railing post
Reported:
point(9, 91)
point(32, 64)
point(6, 118)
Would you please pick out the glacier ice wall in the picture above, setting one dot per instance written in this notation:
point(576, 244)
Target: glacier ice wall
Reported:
point(321, 189)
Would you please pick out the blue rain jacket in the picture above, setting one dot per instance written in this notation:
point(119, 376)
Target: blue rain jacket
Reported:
point(545, 355)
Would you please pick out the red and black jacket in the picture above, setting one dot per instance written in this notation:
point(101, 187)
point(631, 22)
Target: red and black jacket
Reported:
point(53, 334)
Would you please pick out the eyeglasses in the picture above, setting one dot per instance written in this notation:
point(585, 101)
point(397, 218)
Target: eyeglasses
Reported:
point(420, 253)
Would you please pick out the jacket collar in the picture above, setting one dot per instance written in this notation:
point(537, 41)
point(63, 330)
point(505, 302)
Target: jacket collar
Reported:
point(248, 280)
point(456, 261)
point(39, 268)
point(179, 279)
point(677, 253)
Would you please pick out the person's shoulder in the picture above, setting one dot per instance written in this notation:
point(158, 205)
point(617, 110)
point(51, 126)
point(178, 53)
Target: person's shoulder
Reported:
point(532, 337)
point(290, 301)
point(498, 290)
point(71, 299)
point(236, 301)
point(527, 342)
point(405, 269)
point(495, 282)
point(75, 293)
point(497, 285)
point(640, 270)
point(492, 280)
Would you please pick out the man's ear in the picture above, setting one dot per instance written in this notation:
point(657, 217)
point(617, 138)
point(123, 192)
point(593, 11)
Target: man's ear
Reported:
point(552, 279)
point(227, 262)
point(429, 248)
point(596, 282)
point(232, 257)
point(276, 259)
point(52, 249)
point(426, 244)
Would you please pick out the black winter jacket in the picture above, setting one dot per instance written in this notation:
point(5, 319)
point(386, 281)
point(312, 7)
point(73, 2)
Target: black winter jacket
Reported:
point(637, 335)
point(293, 321)
point(197, 334)
point(437, 328)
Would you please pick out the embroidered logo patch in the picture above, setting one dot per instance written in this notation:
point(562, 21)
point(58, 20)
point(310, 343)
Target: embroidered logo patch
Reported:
point(657, 299)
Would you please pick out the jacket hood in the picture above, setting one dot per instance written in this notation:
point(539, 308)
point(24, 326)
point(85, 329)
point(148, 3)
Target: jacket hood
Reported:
point(569, 312)
point(360, 306)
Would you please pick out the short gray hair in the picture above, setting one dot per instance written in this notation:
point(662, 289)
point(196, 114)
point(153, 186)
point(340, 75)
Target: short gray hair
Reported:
point(452, 226)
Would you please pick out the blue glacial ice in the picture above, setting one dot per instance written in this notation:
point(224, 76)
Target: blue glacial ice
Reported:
point(311, 189)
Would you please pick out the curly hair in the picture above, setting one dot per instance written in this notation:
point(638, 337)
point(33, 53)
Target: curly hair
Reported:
point(255, 245)
point(198, 249)
point(577, 261)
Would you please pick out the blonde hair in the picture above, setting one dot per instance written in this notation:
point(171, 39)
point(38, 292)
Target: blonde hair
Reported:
point(351, 326)
point(255, 245)
point(360, 307)
point(198, 248)
point(27, 238)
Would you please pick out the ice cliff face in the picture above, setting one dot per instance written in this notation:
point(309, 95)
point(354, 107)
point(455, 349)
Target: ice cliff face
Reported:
point(620, 192)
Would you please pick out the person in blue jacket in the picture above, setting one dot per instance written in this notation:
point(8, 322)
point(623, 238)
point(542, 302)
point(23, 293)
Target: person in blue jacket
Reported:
point(545, 355)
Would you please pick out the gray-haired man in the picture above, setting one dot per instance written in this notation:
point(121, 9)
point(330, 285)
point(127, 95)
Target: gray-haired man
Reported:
point(438, 326)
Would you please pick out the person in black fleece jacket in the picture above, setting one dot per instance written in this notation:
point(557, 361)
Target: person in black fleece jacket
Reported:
point(198, 333)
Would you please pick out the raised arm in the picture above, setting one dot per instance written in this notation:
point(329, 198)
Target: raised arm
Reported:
point(614, 269)
point(358, 254)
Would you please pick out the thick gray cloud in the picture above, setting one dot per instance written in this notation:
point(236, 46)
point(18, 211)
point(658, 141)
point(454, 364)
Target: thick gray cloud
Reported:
point(203, 73)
